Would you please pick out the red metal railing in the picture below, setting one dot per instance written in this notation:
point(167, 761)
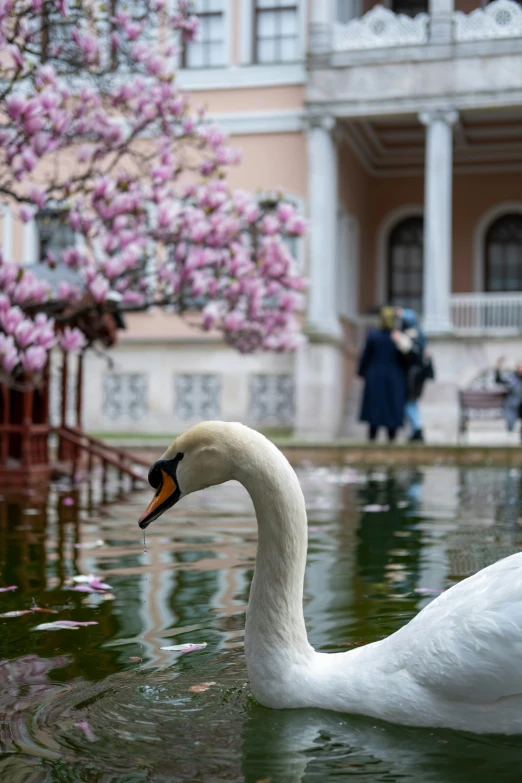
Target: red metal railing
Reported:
point(77, 448)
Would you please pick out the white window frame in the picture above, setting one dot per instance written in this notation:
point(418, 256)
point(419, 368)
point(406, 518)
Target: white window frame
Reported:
point(6, 216)
point(245, 73)
point(205, 74)
point(247, 34)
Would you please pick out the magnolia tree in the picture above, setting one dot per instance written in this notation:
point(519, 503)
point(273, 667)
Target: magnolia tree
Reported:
point(93, 120)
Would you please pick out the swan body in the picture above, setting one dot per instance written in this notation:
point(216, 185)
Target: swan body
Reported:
point(457, 664)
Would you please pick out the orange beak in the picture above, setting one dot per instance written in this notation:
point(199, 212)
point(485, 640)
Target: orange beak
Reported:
point(162, 500)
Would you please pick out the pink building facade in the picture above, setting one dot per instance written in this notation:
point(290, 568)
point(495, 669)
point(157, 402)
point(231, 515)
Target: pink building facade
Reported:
point(398, 130)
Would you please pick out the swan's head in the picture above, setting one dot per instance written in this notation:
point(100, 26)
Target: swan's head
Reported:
point(201, 457)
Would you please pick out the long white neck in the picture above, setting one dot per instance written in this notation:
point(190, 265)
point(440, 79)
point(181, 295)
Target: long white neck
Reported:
point(275, 621)
point(283, 668)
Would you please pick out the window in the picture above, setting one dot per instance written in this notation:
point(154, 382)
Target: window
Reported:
point(55, 32)
point(409, 7)
point(503, 266)
point(209, 49)
point(271, 399)
point(405, 263)
point(197, 397)
point(275, 31)
point(54, 233)
point(125, 396)
point(347, 10)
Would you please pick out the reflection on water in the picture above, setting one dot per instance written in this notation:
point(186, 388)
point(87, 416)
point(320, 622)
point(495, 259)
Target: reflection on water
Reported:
point(104, 703)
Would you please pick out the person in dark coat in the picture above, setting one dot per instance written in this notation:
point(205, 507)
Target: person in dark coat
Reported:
point(383, 368)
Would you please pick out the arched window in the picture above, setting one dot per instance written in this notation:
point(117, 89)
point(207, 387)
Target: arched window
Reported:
point(405, 263)
point(503, 267)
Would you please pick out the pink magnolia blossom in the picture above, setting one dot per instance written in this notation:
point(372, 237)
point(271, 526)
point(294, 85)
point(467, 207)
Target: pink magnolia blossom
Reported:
point(72, 340)
point(99, 289)
point(26, 213)
point(296, 226)
point(16, 55)
point(33, 359)
point(11, 319)
point(25, 333)
point(68, 291)
point(9, 357)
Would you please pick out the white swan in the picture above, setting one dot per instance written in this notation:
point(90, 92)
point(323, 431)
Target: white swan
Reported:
point(457, 664)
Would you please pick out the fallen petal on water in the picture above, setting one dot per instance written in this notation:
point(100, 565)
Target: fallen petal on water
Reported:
point(202, 687)
point(86, 589)
point(46, 611)
point(373, 508)
point(98, 585)
point(17, 613)
point(91, 581)
point(84, 726)
point(60, 625)
point(184, 648)
point(134, 658)
point(7, 589)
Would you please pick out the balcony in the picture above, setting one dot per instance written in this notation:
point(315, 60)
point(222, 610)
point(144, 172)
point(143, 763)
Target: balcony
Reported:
point(385, 63)
point(381, 29)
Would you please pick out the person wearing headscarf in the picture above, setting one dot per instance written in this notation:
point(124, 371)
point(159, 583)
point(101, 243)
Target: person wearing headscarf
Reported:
point(383, 368)
point(412, 344)
point(512, 382)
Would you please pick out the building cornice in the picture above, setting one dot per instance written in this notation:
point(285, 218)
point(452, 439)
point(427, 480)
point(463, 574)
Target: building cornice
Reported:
point(242, 76)
point(259, 122)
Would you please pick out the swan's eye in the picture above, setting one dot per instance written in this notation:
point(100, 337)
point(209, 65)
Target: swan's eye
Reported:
point(155, 476)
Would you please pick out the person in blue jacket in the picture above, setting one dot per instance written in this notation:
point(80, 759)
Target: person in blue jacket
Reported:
point(383, 368)
point(412, 343)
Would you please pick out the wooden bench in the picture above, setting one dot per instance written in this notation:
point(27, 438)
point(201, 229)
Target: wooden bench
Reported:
point(480, 404)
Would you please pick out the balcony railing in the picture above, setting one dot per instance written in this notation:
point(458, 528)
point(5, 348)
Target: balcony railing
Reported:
point(381, 28)
point(483, 314)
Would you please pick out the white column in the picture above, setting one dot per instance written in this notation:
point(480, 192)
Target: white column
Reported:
point(322, 200)
point(441, 20)
point(320, 25)
point(30, 243)
point(319, 365)
point(438, 176)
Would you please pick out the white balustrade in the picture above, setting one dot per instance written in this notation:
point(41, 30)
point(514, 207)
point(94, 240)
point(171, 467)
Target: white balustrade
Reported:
point(499, 19)
point(482, 314)
point(380, 27)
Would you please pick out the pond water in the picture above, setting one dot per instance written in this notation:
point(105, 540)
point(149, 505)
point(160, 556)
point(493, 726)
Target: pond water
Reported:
point(104, 703)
